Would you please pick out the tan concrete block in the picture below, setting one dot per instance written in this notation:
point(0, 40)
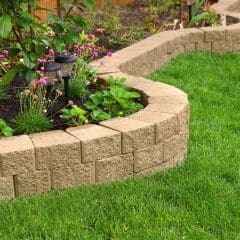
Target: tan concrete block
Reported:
point(183, 99)
point(222, 46)
point(113, 168)
point(236, 46)
point(166, 124)
point(155, 89)
point(162, 60)
point(97, 142)
point(166, 107)
point(207, 46)
point(175, 145)
point(191, 47)
point(148, 157)
point(16, 155)
point(174, 44)
point(135, 134)
point(176, 52)
point(176, 160)
point(184, 119)
point(182, 109)
point(6, 188)
point(143, 64)
point(214, 34)
point(33, 183)
point(191, 35)
point(233, 34)
point(77, 175)
point(56, 149)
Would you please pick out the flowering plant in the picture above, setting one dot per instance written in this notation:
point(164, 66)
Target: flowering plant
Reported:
point(36, 98)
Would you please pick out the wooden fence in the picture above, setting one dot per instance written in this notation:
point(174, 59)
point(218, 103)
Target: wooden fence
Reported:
point(52, 4)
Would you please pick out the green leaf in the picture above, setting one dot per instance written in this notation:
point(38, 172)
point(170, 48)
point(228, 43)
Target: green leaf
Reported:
point(5, 25)
point(7, 131)
point(28, 62)
point(13, 52)
point(8, 77)
point(99, 115)
point(198, 18)
point(30, 75)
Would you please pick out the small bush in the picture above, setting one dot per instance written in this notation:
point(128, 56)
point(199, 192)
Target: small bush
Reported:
point(31, 122)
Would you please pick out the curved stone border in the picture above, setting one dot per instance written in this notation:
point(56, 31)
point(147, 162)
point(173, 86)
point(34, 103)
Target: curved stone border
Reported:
point(147, 141)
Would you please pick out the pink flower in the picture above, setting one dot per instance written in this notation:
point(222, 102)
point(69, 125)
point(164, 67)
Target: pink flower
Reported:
point(51, 52)
point(2, 56)
point(102, 63)
point(95, 54)
point(91, 36)
point(5, 52)
point(41, 60)
point(9, 66)
point(109, 53)
point(42, 81)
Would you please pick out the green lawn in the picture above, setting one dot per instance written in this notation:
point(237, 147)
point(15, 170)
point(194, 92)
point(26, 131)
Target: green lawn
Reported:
point(198, 200)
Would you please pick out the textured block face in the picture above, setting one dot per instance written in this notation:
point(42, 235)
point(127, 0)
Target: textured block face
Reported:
point(148, 157)
point(236, 46)
point(184, 119)
point(166, 124)
point(175, 145)
point(33, 183)
point(114, 168)
point(6, 188)
point(204, 47)
point(56, 149)
point(214, 34)
point(16, 155)
point(191, 47)
point(222, 46)
point(144, 64)
point(73, 176)
point(97, 142)
point(233, 34)
point(171, 100)
point(135, 134)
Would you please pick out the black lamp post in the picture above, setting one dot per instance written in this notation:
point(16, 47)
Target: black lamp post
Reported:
point(66, 62)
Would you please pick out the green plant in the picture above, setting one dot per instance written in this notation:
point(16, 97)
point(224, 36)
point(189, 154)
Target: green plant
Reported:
point(3, 94)
point(29, 38)
point(83, 74)
point(31, 122)
point(112, 101)
point(75, 116)
point(5, 130)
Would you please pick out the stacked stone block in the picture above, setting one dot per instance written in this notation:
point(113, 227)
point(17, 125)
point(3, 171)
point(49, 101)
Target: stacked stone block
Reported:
point(148, 141)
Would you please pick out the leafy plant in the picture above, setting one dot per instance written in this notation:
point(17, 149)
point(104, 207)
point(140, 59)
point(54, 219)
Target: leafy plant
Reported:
point(112, 101)
point(75, 116)
point(83, 74)
point(20, 26)
point(5, 130)
point(31, 122)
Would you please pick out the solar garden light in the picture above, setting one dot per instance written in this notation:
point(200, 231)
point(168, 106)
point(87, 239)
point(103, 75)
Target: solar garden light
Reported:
point(190, 4)
point(66, 62)
point(51, 71)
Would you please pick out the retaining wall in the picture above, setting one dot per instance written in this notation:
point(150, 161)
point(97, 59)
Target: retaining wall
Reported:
point(152, 139)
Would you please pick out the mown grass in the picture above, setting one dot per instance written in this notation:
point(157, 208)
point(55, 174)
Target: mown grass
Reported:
point(198, 200)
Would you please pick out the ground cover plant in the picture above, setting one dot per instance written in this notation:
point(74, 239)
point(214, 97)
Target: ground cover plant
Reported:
point(197, 200)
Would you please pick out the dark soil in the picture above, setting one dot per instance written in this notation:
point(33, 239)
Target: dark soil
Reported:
point(9, 108)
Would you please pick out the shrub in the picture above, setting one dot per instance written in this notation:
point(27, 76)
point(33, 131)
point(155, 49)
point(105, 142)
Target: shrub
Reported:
point(31, 122)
